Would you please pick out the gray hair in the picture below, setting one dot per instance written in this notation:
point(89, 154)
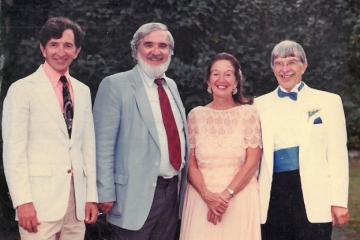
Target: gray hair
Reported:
point(288, 48)
point(145, 30)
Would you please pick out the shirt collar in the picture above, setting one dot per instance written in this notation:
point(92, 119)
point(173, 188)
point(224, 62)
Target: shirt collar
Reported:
point(148, 80)
point(52, 74)
point(294, 89)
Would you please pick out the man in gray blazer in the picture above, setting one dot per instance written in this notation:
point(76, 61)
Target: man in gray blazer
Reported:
point(141, 136)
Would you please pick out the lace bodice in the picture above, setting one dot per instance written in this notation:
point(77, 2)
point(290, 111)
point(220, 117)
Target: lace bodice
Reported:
point(219, 139)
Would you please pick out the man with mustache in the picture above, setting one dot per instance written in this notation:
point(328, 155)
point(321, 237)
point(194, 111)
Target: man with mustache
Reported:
point(141, 137)
point(304, 169)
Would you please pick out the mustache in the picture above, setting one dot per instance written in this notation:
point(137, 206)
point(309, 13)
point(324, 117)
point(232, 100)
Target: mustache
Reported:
point(153, 71)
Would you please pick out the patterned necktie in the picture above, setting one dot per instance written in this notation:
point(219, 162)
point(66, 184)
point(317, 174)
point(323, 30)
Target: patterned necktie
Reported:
point(170, 126)
point(68, 106)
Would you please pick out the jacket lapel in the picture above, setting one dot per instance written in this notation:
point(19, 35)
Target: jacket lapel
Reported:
point(78, 104)
point(176, 96)
point(143, 103)
point(306, 105)
point(268, 118)
point(47, 96)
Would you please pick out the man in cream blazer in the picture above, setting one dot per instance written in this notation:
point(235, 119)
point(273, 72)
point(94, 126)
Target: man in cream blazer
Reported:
point(49, 164)
point(304, 170)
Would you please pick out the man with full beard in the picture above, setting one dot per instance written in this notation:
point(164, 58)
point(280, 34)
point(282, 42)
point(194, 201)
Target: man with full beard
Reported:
point(141, 138)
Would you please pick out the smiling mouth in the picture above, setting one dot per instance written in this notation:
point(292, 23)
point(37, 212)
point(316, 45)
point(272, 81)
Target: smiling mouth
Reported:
point(61, 61)
point(286, 75)
point(155, 58)
point(221, 86)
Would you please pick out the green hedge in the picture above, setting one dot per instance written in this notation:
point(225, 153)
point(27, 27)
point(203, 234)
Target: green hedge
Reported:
point(329, 30)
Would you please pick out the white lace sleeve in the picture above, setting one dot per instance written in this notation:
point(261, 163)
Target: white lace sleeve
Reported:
point(252, 129)
point(192, 128)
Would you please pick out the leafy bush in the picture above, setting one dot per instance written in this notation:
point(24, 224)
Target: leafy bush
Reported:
point(329, 30)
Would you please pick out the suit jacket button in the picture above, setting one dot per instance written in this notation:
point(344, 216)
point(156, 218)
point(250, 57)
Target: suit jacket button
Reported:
point(69, 171)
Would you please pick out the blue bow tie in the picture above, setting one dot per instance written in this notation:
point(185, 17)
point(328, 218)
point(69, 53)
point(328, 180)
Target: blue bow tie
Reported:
point(291, 95)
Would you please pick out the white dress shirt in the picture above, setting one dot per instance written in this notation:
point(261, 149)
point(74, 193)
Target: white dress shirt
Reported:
point(289, 115)
point(166, 170)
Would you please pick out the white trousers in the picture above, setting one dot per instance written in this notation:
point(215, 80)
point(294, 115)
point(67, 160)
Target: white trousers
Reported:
point(67, 228)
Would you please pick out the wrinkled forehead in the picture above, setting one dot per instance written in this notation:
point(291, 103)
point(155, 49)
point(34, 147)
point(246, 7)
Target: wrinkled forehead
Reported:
point(156, 36)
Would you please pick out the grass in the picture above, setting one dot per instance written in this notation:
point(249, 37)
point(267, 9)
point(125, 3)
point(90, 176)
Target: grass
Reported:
point(354, 200)
point(352, 230)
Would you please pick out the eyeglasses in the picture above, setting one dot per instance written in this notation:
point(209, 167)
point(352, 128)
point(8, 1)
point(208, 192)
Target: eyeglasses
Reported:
point(291, 63)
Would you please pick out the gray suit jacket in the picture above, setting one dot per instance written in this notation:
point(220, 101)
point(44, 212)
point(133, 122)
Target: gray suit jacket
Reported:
point(128, 147)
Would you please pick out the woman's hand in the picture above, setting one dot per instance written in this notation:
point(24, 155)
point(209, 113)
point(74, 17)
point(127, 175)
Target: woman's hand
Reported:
point(214, 219)
point(215, 202)
point(226, 196)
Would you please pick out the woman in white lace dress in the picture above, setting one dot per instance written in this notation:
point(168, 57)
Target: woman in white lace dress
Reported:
point(222, 201)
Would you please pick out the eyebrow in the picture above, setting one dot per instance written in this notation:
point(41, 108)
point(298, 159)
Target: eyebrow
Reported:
point(291, 58)
point(151, 42)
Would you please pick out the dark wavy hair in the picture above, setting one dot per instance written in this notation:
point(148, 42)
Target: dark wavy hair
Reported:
point(239, 96)
point(54, 28)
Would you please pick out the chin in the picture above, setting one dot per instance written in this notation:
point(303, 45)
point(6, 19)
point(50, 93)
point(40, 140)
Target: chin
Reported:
point(153, 70)
point(223, 95)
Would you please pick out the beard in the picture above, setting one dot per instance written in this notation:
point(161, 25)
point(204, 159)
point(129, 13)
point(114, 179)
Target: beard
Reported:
point(153, 71)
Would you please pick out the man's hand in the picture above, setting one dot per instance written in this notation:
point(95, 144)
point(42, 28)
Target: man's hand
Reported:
point(91, 212)
point(106, 207)
point(27, 217)
point(340, 216)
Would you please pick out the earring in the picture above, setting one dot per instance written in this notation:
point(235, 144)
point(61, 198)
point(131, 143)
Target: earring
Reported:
point(234, 91)
point(209, 90)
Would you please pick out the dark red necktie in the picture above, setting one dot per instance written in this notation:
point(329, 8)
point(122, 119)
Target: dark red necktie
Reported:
point(68, 106)
point(170, 126)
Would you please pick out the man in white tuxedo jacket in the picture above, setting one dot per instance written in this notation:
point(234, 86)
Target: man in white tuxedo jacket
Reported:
point(304, 170)
point(141, 142)
point(49, 142)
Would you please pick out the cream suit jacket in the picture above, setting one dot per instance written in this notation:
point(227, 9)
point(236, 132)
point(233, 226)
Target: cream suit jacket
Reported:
point(323, 153)
point(38, 153)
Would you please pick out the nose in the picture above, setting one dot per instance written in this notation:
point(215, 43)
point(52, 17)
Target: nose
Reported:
point(285, 68)
point(156, 50)
point(60, 51)
point(220, 78)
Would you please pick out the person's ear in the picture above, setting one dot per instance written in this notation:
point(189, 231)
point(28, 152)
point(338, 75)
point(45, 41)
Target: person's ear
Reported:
point(77, 51)
point(42, 49)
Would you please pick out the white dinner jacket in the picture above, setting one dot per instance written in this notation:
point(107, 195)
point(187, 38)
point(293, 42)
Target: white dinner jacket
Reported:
point(38, 153)
point(323, 156)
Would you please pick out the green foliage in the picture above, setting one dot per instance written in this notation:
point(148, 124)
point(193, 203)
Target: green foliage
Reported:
point(352, 105)
point(329, 30)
